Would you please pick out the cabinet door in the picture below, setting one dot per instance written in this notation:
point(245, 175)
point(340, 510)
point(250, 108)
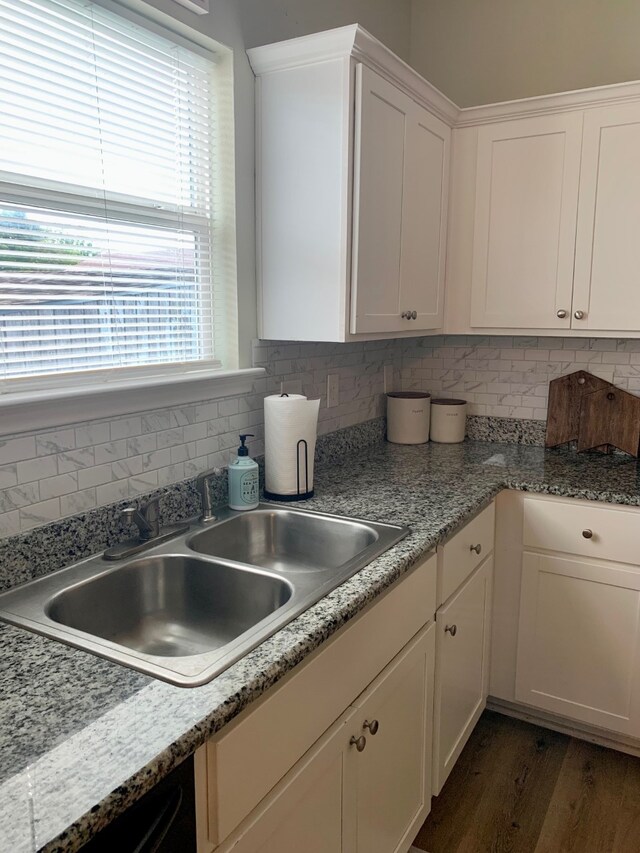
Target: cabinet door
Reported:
point(383, 116)
point(424, 220)
point(462, 669)
point(305, 810)
point(525, 220)
point(606, 289)
point(578, 641)
point(388, 784)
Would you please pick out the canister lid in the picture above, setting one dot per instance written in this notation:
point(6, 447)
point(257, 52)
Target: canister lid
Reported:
point(409, 395)
point(443, 401)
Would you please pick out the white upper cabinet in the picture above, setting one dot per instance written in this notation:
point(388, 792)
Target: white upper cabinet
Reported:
point(607, 285)
point(525, 220)
point(352, 189)
point(382, 128)
point(545, 200)
point(401, 155)
point(425, 221)
point(357, 210)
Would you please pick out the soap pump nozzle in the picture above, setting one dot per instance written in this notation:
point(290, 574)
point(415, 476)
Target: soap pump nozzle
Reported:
point(242, 450)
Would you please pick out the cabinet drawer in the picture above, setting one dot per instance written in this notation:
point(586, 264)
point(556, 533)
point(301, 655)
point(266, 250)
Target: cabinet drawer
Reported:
point(464, 552)
point(584, 529)
point(250, 755)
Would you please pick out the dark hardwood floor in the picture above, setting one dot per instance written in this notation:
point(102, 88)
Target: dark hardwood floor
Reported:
point(518, 788)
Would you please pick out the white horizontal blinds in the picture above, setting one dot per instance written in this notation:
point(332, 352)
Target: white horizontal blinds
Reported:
point(106, 139)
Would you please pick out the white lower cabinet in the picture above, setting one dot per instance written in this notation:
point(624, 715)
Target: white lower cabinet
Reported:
point(388, 784)
point(305, 811)
point(337, 756)
point(463, 631)
point(566, 616)
point(365, 786)
point(579, 640)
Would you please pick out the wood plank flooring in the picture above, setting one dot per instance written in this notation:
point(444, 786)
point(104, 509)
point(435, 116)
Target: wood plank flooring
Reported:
point(518, 788)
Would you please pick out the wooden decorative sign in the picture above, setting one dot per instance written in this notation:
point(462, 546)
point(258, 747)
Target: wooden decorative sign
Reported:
point(610, 416)
point(565, 397)
point(594, 413)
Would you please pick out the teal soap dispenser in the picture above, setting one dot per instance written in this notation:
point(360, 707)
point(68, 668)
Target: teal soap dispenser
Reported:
point(244, 483)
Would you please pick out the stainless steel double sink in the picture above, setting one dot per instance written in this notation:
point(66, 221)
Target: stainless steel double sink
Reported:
point(189, 608)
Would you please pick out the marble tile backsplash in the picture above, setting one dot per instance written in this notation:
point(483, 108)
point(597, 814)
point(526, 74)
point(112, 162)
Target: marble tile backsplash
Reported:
point(508, 377)
point(54, 474)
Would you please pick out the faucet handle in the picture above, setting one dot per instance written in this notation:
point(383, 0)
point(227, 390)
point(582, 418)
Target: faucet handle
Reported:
point(151, 510)
point(147, 518)
point(128, 514)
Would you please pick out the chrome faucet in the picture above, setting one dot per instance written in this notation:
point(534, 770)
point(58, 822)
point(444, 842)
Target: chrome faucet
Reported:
point(202, 485)
point(147, 520)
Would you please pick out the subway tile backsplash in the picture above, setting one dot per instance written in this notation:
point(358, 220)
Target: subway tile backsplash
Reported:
point(54, 474)
point(508, 377)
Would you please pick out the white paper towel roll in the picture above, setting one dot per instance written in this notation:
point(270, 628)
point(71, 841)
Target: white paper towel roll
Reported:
point(287, 420)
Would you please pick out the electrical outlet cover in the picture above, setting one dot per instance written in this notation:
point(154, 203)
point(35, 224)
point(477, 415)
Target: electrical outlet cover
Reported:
point(333, 390)
point(388, 378)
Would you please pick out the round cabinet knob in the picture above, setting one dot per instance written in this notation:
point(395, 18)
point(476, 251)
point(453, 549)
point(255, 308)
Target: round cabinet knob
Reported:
point(579, 315)
point(414, 315)
point(451, 629)
point(373, 726)
point(406, 315)
point(358, 742)
point(561, 314)
point(588, 534)
point(477, 548)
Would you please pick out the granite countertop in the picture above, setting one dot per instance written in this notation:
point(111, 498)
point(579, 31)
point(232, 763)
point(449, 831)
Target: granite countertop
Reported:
point(82, 738)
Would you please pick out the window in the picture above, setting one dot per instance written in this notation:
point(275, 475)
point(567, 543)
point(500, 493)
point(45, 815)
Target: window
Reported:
point(112, 215)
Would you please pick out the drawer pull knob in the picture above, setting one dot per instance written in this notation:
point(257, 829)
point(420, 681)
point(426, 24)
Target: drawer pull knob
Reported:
point(579, 315)
point(477, 548)
point(588, 534)
point(451, 629)
point(373, 726)
point(358, 742)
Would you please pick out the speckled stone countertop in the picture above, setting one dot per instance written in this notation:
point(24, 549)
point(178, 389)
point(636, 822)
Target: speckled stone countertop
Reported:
point(82, 738)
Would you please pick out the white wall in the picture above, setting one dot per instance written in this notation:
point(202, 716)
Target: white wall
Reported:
point(264, 21)
point(482, 51)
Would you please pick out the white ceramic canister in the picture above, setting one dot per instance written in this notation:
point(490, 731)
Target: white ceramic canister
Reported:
point(408, 417)
point(448, 420)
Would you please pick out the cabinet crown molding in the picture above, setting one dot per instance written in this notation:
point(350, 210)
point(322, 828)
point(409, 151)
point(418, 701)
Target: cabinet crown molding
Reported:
point(353, 41)
point(615, 93)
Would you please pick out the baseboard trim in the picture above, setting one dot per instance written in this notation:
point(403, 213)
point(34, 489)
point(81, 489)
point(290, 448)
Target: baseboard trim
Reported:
point(567, 727)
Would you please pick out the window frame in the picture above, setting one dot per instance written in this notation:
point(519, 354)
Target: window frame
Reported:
point(75, 390)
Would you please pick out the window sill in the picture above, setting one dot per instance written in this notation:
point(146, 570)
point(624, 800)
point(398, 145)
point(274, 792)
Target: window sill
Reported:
point(40, 409)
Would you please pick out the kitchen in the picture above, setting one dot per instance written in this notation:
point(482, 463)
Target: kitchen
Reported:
point(501, 260)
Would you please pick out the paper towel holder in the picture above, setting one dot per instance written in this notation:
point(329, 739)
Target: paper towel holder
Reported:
point(299, 496)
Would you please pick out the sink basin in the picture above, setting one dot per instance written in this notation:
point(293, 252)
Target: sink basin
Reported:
point(170, 605)
point(192, 606)
point(284, 540)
